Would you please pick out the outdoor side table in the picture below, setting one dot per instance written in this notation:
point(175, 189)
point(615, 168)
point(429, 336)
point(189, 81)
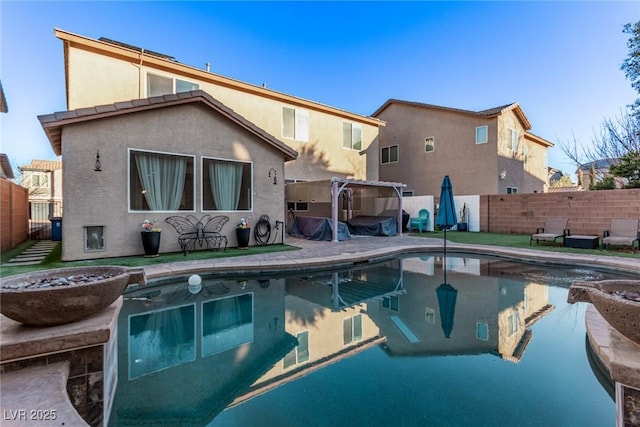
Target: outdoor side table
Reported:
point(582, 242)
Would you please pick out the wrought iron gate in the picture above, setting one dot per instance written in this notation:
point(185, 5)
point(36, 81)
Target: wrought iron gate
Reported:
point(40, 214)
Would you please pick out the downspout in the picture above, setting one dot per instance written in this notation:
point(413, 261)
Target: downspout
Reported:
point(399, 224)
point(140, 74)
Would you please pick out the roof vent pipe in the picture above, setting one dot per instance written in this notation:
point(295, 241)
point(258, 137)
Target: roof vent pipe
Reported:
point(208, 67)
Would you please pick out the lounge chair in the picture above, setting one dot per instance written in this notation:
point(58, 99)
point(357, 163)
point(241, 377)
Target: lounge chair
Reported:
point(623, 232)
point(553, 229)
point(421, 222)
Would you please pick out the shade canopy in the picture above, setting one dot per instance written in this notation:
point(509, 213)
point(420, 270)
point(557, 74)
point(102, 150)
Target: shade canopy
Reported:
point(447, 215)
point(447, 296)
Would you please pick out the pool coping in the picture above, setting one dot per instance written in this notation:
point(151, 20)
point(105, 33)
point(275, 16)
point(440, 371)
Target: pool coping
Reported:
point(308, 259)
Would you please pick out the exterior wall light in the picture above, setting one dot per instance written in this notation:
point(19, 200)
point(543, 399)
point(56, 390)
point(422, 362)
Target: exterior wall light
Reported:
point(275, 178)
point(98, 164)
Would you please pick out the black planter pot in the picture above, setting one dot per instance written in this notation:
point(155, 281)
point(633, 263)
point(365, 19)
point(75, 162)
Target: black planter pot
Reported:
point(462, 226)
point(150, 242)
point(243, 234)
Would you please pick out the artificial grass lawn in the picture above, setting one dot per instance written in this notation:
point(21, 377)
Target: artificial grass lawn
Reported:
point(472, 238)
point(53, 260)
point(522, 241)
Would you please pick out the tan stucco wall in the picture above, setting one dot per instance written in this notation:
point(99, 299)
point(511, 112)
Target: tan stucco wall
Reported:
point(97, 79)
point(100, 198)
point(473, 168)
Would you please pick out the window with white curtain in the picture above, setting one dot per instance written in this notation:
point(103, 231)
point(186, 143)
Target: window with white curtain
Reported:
point(160, 181)
point(226, 185)
point(300, 353)
point(295, 124)
point(351, 136)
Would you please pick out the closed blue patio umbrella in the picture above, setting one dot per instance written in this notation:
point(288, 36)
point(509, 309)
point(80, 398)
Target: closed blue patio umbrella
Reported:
point(447, 296)
point(447, 216)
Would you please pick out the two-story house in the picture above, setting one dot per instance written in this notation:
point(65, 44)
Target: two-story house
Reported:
point(328, 140)
point(43, 179)
point(484, 152)
point(172, 139)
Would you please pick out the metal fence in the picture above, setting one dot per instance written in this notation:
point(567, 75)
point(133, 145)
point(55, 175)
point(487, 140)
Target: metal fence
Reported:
point(40, 215)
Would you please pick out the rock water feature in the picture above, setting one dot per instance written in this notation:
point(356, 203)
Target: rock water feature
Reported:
point(618, 301)
point(57, 297)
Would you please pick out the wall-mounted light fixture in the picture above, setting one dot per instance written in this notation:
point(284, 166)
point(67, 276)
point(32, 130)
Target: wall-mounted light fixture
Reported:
point(98, 164)
point(570, 197)
point(275, 178)
point(503, 174)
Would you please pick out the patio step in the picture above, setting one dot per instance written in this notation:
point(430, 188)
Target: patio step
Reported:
point(33, 255)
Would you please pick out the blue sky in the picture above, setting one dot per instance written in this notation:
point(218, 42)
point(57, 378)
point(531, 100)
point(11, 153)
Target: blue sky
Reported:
point(559, 60)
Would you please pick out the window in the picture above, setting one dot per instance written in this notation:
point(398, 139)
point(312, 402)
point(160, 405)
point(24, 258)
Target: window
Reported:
point(298, 206)
point(512, 190)
point(482, 134)
point(160, 181)
point(428, 145)
point(408, 193)
point(390, 303)
point(227, 323)
point(389, 154)
point(160, 85)
point(512, 323)
point(300, 353)
point(94, 238)
point(514, 140)
point(429, 315)
point(226, 185)
point(351, 136)
point(295, 124)
point(39, 180)
point(352, 329)
point(482, 331)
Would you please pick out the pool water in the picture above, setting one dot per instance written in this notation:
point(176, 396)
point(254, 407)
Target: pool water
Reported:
point(413, 341)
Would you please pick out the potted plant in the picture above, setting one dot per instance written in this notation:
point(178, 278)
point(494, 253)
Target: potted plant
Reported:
point(243, 232)
point(462, 218)
point(150, 238)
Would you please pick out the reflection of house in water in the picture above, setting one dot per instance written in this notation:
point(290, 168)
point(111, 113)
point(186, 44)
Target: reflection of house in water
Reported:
point(492, 312)
point(185, 352)
point(327, 314)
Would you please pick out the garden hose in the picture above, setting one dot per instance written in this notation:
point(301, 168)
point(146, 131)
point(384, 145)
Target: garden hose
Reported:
point(262, 231)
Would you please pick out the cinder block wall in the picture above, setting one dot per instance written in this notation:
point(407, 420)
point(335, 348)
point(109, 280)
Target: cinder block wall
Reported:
point(589, 212)
point(14, 215)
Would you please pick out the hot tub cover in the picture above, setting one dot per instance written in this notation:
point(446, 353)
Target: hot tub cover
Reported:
point(373, 225)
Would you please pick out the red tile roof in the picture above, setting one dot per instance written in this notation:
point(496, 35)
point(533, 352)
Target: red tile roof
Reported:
point(42, 165)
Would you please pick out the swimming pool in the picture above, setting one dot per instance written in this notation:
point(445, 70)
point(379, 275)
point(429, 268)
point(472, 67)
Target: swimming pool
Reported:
point(416, 340)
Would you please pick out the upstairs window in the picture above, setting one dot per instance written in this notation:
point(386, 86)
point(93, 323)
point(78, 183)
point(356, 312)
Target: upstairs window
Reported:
point(39, 180)
point(352, 329)
point(482, 134)
point(428, 145)
point(161, 85)
point(295, 124)
point(514, 140)
point(389, 154)
point(512, 190)
point(351, 136)
point(160, 182)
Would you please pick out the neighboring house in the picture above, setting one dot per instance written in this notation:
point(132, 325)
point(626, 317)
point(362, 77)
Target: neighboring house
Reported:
point(204, 150)
point(329, 141)
point(43, 179)
point(6, 171)
point(597, 170)
point(483, 152)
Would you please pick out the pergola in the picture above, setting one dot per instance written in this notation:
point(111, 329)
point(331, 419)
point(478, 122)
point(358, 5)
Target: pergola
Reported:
point(338, 185)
